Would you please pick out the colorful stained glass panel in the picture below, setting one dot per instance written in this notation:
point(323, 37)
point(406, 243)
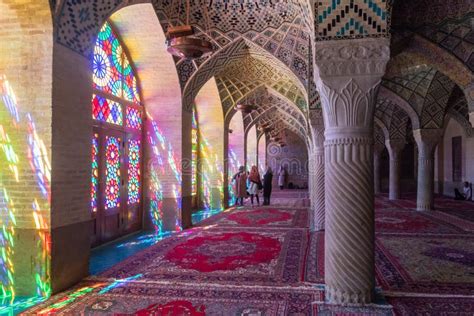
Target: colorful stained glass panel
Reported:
point(106, 63)
point(95, 172)
point(194, 153)
point(134, 118)
point(105, 110)
point(112, 71)
point(133, 171)
point(112, 172)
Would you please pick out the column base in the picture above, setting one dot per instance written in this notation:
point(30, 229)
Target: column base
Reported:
point(327, 309)
point(317, 228)
point(424, 207)
point(335, 296)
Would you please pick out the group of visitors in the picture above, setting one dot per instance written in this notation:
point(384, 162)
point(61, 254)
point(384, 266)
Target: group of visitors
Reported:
point(249, 184)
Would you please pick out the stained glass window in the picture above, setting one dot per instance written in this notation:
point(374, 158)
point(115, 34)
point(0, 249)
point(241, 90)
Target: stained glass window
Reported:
point(112, 71)
point(105, 110)
point(194, 153)
point(134, 118)
point(133, 171)
point(115, 102)
point(112, 172)
point(95, 172)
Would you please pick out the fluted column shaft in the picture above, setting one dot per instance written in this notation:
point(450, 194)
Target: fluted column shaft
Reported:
point(426, 140)
point(349, 260)
point(311, 189)
point(348, 75)
point(319, 207)
point(377, 182)
point(394, 150)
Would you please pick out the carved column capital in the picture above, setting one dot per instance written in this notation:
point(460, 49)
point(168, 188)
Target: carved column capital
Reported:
point(348, 73)
point(426, 140)
point(354, 57)
point(394, 147)
point(317, 126)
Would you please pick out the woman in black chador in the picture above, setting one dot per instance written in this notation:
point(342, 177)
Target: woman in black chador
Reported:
point(267, 186)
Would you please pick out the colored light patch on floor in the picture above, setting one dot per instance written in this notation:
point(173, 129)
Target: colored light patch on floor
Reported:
point(139, 298)
point(105, 257)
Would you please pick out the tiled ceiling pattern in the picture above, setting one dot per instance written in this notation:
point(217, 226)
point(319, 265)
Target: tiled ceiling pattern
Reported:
point(393, 117)
point(427, 91)
point(339, 19)
point(458, 109)
point(237, 52)
point(282, 28)
point(448, 24)
point(413, 86)
point(271, 107)
point(379, 138)
point(246, 74)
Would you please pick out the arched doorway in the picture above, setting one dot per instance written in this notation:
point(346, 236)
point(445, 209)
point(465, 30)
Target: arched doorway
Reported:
point(117, 140)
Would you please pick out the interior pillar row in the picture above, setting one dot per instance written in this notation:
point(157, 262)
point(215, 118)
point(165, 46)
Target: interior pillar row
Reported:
point(394, 148)
point(426, 140)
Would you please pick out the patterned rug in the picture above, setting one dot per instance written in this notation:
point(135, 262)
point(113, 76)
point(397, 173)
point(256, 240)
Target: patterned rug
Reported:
point(408, 306)
point(262, 217)
point(315, 260)
point(426, 264)
point(139, 298)
point(222, 255)
point(401, 221)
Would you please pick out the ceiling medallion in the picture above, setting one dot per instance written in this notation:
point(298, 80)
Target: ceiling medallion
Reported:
point(182, 43)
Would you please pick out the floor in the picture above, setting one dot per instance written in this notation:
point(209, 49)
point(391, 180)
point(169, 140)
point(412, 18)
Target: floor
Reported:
point(265, 261)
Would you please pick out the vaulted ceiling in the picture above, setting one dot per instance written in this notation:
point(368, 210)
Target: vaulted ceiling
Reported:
point(266, 45)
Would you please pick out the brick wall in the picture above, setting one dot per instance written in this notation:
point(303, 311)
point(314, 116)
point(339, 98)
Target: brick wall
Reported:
point(26, 64)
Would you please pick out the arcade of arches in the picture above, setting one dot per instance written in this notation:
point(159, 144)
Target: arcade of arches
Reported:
point(117, 159)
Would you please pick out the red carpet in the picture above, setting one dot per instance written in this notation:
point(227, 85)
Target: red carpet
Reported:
point(231, 255)
point(264, 261)
point(261, 217)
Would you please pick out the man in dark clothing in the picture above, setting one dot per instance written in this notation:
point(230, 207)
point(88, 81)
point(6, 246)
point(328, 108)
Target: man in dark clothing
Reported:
point(267, 186)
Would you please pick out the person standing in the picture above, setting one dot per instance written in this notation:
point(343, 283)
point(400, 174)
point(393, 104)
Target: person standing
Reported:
point(267, 185)
point(255, 184)
point(281, 177)
point(240, 185)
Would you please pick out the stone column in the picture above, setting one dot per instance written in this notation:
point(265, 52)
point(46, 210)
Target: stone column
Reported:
point(348, 75)
point(317, 170)
point(394, 148)
point(377, 181)
point(311, 188)
point(426, 140)
point(319, 209)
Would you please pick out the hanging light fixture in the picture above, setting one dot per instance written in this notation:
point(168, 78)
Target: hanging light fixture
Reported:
point(181, 42)
point(246, 107)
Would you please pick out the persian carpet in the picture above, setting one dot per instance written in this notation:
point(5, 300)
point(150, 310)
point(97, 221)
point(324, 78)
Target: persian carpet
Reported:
point(262, 217)
point(407, 306)
point(141, 298)
point(402, 221)
point(426, 263)
point(315, 261)
point(222, 255)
